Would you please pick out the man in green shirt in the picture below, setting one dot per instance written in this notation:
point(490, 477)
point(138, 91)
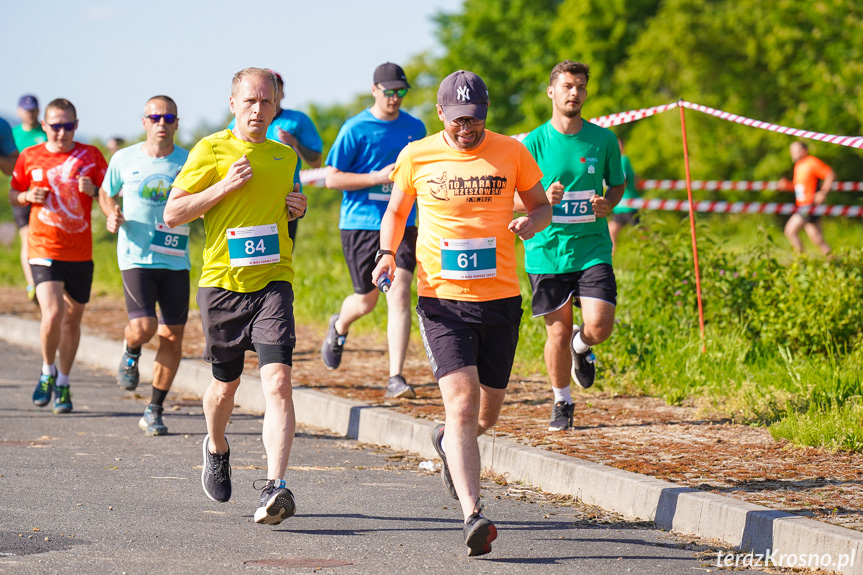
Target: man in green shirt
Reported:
point(28, 133)
point(569, 263)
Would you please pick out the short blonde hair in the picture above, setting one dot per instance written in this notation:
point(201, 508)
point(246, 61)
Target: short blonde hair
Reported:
point(260, 72)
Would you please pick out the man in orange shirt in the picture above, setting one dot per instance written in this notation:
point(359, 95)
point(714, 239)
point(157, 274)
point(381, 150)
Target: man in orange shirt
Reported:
point(464, 180)
point(59, 179)
point(807, 171)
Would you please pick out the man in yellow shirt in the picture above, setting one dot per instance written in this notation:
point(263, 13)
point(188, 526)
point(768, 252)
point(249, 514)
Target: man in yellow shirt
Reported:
point(242, 182)
point(464, 180)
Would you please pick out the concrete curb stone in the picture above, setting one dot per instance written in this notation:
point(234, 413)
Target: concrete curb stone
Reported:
point(745, 526)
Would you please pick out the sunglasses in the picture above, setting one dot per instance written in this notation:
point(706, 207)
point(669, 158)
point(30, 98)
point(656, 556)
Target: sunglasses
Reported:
point(169, 118)
point(68, 126)
point(459, 122)
point(390, 93)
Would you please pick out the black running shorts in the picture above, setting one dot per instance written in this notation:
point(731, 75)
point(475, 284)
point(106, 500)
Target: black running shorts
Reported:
point(77, 277)
point(144, 287)
point(360, 248)
point(459, 334)
point(234, 322)
point(552, 291)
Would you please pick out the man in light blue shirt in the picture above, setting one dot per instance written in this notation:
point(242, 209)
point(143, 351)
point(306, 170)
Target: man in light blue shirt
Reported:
point(360, 163)
point(153, 258)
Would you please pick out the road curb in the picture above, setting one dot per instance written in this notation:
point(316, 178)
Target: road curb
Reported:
point(747, 527)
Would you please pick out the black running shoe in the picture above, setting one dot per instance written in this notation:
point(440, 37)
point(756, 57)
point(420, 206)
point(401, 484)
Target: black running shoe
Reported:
point(479, 532)
point(331, 350)
point(583, 365)
point(561, 416)
point(277, 503)
point(216, 476)
point(397, 387)
point(437, 440)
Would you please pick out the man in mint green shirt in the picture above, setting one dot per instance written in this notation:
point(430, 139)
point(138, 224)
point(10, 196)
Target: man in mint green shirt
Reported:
point(569, 263)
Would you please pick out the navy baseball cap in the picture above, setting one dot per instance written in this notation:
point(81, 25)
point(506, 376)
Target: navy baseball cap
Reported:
point(391, 76)
point(28, 102)
point(462, 94)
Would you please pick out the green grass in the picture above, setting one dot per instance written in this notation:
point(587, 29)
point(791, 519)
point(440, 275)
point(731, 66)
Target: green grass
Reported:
point(782, 345)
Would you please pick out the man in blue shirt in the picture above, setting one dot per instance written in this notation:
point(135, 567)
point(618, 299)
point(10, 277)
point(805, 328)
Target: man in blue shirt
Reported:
point(295, 129)
point(360, 163)
point(153, 259)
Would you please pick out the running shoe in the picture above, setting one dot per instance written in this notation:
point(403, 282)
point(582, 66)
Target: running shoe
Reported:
point(151, 421)
point(127, 373)
point(62, 399)
point(331, 350)
point(399, 388)
point(216, 476)
point(437, 440)
point(44, 389)
point(583, 364)
point(277, 503)
point(479, 532)
point(561, 416)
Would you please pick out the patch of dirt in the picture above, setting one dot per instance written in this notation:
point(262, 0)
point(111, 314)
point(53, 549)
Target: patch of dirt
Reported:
point(639, 434)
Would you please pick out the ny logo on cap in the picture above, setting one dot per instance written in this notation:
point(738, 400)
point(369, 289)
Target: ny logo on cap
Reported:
point(463, 93)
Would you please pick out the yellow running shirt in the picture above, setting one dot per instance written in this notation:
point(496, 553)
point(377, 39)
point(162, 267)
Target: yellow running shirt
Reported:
point(465, 203)
point(247, 244)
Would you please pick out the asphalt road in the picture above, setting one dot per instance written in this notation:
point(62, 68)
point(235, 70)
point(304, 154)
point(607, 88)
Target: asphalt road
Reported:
point(89, 493)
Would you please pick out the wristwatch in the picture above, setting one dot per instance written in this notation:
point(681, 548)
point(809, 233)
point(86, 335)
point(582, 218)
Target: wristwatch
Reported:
point(382, 253)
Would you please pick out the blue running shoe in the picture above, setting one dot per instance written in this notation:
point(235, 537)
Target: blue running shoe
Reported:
point(44, 389)
point(62, 399)
point(127, 373)
point(151, 421)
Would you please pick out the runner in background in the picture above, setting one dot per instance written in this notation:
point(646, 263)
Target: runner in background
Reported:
point(360, 161)
point(808, 170)
point(569, 262)
point(295, 129)
point(621, 215)
point(153, 259)
point(59, 179)
point(114, 145)
point(464, 180)
point(27, 133)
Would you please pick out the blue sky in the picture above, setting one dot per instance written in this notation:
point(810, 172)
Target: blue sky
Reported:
point(108, 58)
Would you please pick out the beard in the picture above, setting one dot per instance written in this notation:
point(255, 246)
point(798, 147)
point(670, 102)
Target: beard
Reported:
point(571, 112)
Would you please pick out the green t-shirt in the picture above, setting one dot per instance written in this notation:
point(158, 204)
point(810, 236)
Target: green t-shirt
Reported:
point(247, 244)
point(25, 139)
point(629, 191)
point(576, 239)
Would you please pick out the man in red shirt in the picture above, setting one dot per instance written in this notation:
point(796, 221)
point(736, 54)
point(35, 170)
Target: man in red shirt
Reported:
point(59, 179)
point(808, 170)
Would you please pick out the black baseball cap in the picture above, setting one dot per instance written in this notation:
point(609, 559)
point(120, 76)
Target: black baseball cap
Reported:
point(391, 76)
point(462, 94)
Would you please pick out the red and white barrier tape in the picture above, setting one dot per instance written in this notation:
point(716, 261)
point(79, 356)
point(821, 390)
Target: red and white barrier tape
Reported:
point(724, 185)
point(742, 207)
point(850, 141)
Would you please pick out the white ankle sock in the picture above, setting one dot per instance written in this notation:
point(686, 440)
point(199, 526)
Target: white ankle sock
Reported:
point(562, 394)
point(578, 345)
point(49, 369)
point(62, 379)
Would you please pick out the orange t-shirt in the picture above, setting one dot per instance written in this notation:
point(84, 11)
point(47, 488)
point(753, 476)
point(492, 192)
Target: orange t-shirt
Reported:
point(60, 227)
point(807, 172)
point(465, 203)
